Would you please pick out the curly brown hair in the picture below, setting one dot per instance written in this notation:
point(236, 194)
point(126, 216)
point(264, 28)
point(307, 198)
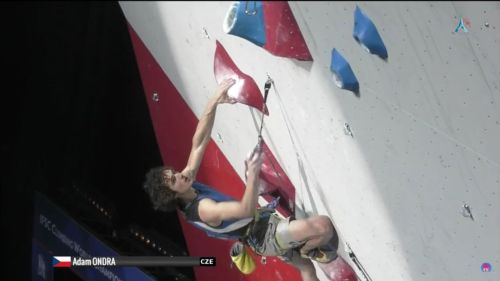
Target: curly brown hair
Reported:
point(162, 197)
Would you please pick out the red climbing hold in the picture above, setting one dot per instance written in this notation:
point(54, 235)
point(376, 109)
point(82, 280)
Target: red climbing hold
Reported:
point(283, 36)
point(245, 90)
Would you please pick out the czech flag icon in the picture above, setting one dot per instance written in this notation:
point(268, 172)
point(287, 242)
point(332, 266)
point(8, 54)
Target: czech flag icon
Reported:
point(61, 262)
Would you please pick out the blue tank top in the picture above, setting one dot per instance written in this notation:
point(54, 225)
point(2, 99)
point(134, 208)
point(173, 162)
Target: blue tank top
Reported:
point(228, 229)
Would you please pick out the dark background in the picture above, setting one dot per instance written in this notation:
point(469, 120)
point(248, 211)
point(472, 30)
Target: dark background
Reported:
point(74, 115)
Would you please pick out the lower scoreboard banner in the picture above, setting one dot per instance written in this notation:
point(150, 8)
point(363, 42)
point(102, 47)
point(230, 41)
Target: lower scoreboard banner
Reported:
point(67, 261)
point(58, 238)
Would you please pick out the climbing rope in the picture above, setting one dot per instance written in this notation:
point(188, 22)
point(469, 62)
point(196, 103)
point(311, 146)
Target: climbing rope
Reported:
point(289, 130)
point(267, 87)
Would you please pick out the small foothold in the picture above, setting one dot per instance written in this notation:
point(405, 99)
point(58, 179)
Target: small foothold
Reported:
point(205, 32)
point(487, 24)
point(466, 211)
point(156, 98)
point(347, 130)
point(220, 138)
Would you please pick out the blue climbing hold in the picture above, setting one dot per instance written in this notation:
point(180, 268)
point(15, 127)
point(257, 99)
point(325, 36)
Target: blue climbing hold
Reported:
point(367, 35)
point(342, 72)
point(245, 19)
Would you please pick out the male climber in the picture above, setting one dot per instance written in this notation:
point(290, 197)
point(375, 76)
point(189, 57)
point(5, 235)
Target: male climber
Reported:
point(220, 216)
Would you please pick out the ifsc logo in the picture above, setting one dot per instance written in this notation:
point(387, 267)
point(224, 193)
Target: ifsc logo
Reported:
point(462, 25)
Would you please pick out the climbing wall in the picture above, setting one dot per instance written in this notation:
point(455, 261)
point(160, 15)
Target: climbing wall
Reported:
point(407, 166)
